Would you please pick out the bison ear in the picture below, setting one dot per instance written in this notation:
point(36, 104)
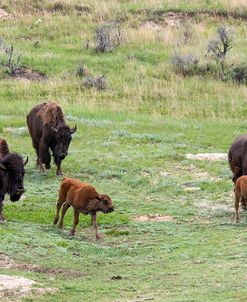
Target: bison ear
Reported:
point(54, 129)
point(25, 162)
point(73, 130)
point(2, 167)
point(98, 197)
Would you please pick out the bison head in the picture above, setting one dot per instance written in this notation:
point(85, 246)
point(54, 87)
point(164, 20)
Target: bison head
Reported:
point(63, 136)
point(105, 204)
point(12, 167)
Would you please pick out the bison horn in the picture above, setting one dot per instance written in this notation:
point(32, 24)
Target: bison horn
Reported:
point(25, 162)
point(2, 167)
point(73, 130)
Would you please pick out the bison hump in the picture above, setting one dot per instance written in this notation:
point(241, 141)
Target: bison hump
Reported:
point(51, 113)
point(4, 148)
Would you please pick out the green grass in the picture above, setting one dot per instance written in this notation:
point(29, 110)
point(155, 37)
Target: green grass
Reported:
point(131, 144)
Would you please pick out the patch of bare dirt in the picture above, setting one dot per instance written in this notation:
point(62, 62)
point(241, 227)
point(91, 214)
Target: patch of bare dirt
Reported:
point(18, 287)
point(154, 217)
point(6, 262)
point(5, 15)
point(150, 25)
point(13, 285)
point(173, 19)
point(205, 205)
point(27, 74)
point(207, 156)
point(163, 15)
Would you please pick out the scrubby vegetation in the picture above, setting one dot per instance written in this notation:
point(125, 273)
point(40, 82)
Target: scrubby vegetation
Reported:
point(170, 91)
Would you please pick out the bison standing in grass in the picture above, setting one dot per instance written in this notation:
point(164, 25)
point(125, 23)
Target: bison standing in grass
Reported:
point(49, 132)
point(84, 199)
point(240, 194)
point(237, 157)
point(11, 175)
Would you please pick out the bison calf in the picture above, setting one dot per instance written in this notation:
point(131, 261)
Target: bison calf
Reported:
point(240, 194)
point(84, 199)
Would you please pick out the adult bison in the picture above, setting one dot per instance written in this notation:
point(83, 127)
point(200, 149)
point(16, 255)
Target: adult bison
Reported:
point(49, 131)
point(11, 175)
point(237, 157)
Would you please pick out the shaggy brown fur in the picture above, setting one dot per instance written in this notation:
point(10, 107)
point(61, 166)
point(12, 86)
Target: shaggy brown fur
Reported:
point(11, 175)
point(84, 199)
point(51, 114)
point(49, 133)
point(4, 149)
point(240, 194)
point(237, 157)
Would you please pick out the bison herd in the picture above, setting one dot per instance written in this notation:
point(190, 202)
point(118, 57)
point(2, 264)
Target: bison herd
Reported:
point(51, 137)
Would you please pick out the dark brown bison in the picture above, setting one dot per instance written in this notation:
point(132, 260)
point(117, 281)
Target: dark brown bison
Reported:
point(11, 175)
point(237, 157)
point(49, 131)
point(84, 199)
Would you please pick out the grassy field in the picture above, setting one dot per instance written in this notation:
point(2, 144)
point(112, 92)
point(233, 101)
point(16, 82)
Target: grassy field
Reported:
point(131, 143)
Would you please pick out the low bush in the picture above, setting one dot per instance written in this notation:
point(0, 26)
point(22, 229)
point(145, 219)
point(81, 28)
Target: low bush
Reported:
point(185, 64)
point(239, 74)
point(99, 82)
point(108, 37)
point(10, 58)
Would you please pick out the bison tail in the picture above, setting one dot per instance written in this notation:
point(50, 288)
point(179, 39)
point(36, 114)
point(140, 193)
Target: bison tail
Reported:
point(4, 148)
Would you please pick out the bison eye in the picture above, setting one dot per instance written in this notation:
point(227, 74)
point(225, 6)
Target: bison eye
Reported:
point(105, 202)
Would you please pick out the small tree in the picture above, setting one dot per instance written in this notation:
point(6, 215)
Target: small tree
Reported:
point(11, 58)
point(218, 49)
point(220, 46)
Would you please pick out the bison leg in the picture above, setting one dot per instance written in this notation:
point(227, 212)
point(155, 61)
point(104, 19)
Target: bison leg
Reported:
point(95, 226)
point(56, 218)
point(76, 220)
point(243, 203)
point(237, 199)
point(1, 210)
point(58, 164)
point(237, 173)
point(64, 210)
point(44, 156)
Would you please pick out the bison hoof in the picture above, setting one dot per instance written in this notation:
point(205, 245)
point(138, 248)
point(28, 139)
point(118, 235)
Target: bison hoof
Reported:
point(55, 220)
point(72, 233)
point(98, 237)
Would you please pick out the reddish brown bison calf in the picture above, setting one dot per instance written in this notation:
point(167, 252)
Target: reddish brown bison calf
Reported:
point(240, 194)
point(84, 199)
